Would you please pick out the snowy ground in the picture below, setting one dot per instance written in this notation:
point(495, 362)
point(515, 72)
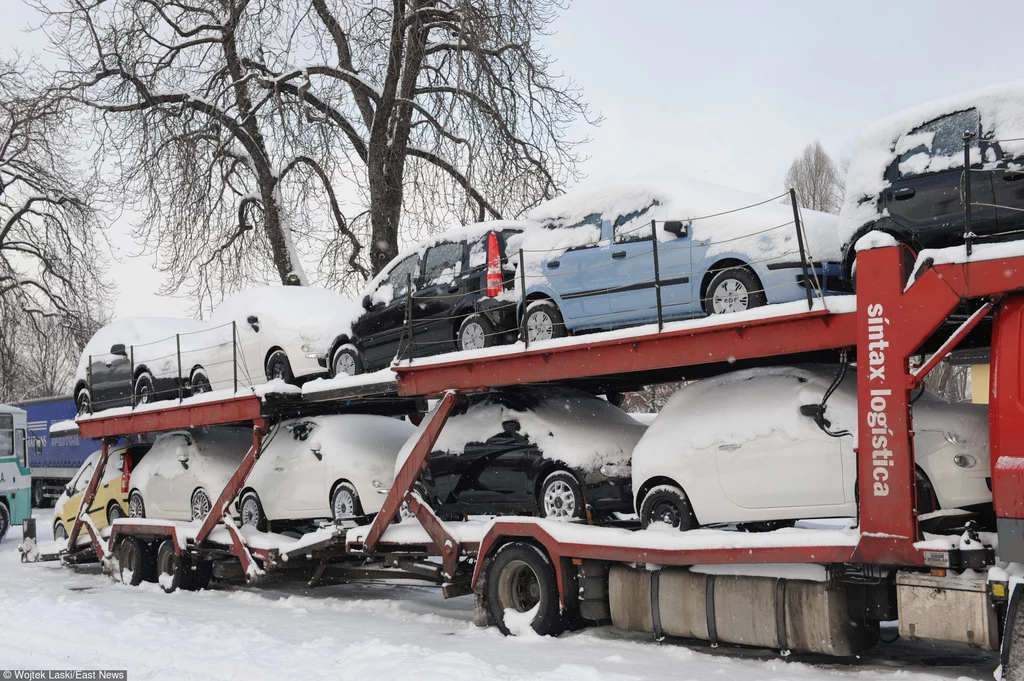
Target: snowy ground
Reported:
point(53, 617)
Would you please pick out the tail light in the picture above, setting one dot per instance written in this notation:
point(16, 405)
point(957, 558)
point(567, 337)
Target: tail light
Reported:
point(126, 473)
point(494, 285)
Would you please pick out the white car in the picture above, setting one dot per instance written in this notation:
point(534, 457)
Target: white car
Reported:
point(736, 448)
point(185, 471)
point(281, 331)
point(338, 467)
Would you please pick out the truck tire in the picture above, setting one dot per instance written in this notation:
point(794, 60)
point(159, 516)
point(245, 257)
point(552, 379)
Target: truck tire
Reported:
point(39, 499)
point(521, 578)
point(176, 572)
point(132, 556)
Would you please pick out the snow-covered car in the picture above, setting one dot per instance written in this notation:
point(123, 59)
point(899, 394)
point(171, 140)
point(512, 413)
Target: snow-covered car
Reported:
point(906, 174)
point(338, 467)
point(185, 471)
point(719, 250)
point(282, 333)
point(111, 501)
point(737, 448)
point(538, 450)
point(135, 354)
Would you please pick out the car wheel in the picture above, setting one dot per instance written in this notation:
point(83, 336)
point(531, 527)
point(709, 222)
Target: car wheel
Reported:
point(5, 521)
point(476, 332)
point(201, 504)
point(114, 511)
point(60, 533)
point(200, 382)
point(927, 502)
point(131, 559)
point(561, 497)
point(345, 502)
point(251, 511)
point(543, 321)
point(136, 507)
point(278, 366)
point(521, 579)
point(83, 402)
point(346, 361)
point(667, 504)
point(734, 290)
point(145, 389)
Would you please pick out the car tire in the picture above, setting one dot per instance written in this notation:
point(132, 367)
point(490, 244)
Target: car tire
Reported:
point(543, 321)
point(278, 366)
point(5, 521)
point(132, 555)
point(250, 511)
point(734, 289)
point(200, 382)
point(136, 505)
point(114, 511)
point(476, 332)
point(521, 577)
point(345, 502)
point(927, 502)
point(346, 361)
point(60, 532)
point(200, 505)
point(145, 389)
point(83, 402)
point(667, 504)
point(561, 497)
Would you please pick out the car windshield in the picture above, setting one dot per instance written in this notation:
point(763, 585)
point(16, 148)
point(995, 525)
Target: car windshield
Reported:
point(937, 145)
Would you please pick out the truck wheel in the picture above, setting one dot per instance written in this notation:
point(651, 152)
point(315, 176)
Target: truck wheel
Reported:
point(667, 504)
point(521, 580)
point(39, 499)
point(170, 567)
point(5, 521)
point(131, 557)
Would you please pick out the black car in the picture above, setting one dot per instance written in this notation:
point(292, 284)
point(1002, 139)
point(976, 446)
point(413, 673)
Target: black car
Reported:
point(454, 305)
point(920, 196)
point(534, 450)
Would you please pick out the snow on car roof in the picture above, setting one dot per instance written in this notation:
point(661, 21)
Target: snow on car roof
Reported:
point(712, 208)
point(1001, 108)
point(143, 333)
point(305, 312)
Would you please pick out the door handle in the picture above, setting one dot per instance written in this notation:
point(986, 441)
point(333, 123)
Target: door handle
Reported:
point(729, 448)
point(904, 193)
point(553, 264)
point(619, 255)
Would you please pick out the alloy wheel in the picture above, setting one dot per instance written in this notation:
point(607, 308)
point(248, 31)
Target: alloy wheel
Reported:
point(539, 326)
point(344, 504)
point(473, 336)
point(250, 511)
point(201, 505)
point(559, 500)
point(344, 364)
point(730, 296)
point(135, 507)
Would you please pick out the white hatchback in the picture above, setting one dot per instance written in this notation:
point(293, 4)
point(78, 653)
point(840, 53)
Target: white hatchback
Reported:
point(737, 449)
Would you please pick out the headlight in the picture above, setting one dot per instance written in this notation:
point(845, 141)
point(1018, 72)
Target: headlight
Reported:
point(308, 348)
point(965, 461)
point(951, 438)
point(616, 470)
point(379, 484)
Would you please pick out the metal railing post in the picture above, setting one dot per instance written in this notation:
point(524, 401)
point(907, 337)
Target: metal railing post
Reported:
point(131, 366)
point(522, 283)
point(408, 316)
point(177, 343)
point(234, 353)
point(657, 274)
point(968, 234)
point(88, 381)
point(800, 245)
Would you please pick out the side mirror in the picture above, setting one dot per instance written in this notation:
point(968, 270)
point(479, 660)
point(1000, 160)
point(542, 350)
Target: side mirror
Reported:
point(816, 412)
point(367, 302)
point(68, 490)
point(677, 227)
point(511, 426)
point(254, 322)
point(118, 349)
point(182, 455)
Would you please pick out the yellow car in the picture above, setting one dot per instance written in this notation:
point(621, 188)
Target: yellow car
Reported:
point(111, 499)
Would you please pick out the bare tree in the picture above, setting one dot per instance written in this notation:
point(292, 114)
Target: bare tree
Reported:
point(50, 265)
point(291, 130)
point(818, 179)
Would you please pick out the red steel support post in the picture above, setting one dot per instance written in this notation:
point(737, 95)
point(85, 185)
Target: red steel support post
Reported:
point(234, 485)
point(90, 496)
point(410, 471)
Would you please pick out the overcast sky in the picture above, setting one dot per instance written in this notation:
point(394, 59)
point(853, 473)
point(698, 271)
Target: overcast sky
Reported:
point(726, 91)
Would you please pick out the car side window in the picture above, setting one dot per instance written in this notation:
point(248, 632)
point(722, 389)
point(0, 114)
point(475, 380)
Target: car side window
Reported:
point(632, 226)
point(84, 478)
point(937, 145)
point(443, 263)
point(398, 278)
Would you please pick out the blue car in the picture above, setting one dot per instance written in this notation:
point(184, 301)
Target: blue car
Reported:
point(590, 265)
